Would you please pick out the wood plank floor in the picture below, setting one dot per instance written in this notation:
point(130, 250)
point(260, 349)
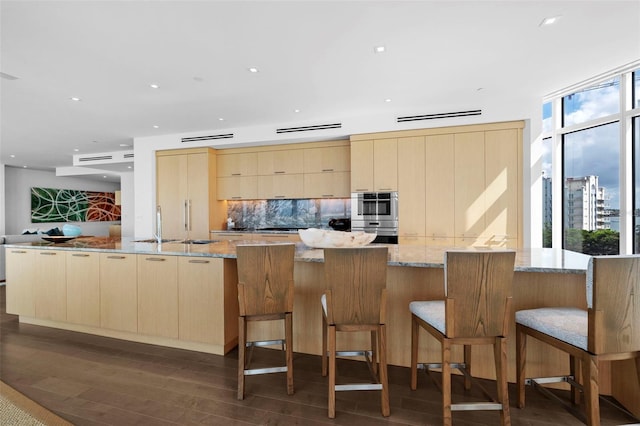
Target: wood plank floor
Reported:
point(91, 380)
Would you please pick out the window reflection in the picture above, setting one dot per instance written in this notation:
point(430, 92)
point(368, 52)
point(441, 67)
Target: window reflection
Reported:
point(547, 144)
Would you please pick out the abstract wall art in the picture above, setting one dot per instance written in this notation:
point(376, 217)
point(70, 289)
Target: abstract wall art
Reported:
point(70, 205)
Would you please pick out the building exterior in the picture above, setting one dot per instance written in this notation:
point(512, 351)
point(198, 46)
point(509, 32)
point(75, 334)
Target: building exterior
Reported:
point(585, 204)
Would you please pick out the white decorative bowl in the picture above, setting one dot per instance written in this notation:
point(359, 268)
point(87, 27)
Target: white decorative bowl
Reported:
point(323, 238)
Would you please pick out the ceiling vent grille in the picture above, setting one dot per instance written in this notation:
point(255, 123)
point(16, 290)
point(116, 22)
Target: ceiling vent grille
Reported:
point(308, 128)
point(129, 155)
point(439, 115)
point(96, 158)
point(207, 138)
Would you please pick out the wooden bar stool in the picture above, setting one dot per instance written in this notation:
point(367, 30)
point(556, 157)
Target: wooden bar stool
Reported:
point(476, 311)
point(355, 301)
point(609, 330)
point(265, 293)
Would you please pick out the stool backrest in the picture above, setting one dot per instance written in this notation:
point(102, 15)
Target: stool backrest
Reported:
point(613, 298)
point(265, 278)
point(356, 279)
point(478, 288)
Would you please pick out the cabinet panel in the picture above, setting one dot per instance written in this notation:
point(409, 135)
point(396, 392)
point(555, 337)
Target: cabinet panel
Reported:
point(232, 236)
point(439, 191)
point(281, 186)
point(469, 185)
point(327, 185)
point(198, 196)
point(50, 285)
point(83, 288)
point(329, 159)
point(362, 166)
point(238, 188)
point(158, 295)
point(19, 281)
point(244, 164)
point(294, 238)
point(118, 292)
point(280, 162)
point(411, 187)
point(385, 164)
point(172, 193)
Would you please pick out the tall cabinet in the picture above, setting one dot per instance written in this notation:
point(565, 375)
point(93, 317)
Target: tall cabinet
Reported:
point(186, 193)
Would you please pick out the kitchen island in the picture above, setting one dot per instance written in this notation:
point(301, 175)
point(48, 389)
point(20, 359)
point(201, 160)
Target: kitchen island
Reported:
point(184, 295)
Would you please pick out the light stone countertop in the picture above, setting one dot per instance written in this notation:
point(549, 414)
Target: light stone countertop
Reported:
point(527, 260)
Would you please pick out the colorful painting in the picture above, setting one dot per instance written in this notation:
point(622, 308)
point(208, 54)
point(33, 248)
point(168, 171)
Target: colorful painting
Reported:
point(70, 205)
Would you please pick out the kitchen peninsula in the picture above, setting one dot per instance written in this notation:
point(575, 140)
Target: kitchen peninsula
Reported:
point(184, 295)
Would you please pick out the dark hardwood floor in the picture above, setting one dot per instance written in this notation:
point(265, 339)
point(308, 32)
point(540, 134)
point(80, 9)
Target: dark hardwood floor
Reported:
point(91, 380)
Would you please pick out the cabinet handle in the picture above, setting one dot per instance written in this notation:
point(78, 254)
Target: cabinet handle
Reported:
point(327, 195)
point(361, 189)
point(19, 251)
point(198, 261)
point(44, 253)
point(155, 259)
point(79, 255)
point(279, 196)
point(236, 198)
point(327, 170)
point(385, 189)
point(279, 172)
point(116, 257)
point(236, 174)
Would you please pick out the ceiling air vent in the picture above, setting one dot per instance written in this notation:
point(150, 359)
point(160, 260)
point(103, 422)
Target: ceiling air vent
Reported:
point(439, 115)
point(96, 158)
point(208, 138)
point(308, 128)
point(129, 155)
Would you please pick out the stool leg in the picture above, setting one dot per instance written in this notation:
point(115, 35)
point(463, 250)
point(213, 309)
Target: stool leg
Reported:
point(324, 346)
point(414, 352)
point(521, 359)
point(242, 340)
point(467, 362)
point(590, 387)
point(384, 378)
point(374, 352)
point(332, 371)
point(446, 382)
point(575, 371)
point(500, 354)
point(288, 336)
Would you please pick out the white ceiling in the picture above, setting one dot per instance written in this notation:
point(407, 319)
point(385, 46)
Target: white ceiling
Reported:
point(317, 57)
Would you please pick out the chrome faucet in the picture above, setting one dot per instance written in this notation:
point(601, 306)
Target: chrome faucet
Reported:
point(158, 234)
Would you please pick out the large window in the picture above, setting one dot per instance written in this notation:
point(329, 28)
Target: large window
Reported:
point(636, 170)
point(591, 102)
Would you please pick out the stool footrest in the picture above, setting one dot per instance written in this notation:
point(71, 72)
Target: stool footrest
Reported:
point(358, 386)
point(469, 406)
point(425, 366)
point(265, 343)
point(255, 371)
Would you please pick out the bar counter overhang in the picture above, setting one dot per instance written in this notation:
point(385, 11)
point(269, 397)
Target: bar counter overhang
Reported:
point(543, 277)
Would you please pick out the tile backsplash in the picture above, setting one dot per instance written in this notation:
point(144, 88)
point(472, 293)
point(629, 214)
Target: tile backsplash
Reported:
point(304, 213)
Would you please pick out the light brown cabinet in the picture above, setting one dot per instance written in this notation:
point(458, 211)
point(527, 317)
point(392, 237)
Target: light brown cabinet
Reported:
point(186, 188)
point(242, 164)
point(281, 186)
point(412, 185)
point(374, 165)
point(439, 190)
point(469, 187)
point(327, 185)
point(288, 161)
point(238, 188)
point(20, 278)
point(83, 288)
point(50, 285)
point(327, 160)
point(119, 292)
point(158, 295)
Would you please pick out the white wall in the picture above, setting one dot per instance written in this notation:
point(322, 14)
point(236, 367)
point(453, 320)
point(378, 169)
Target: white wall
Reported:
point(18, 184)
point(128, 200)
point(492, 111)
point(2, 200)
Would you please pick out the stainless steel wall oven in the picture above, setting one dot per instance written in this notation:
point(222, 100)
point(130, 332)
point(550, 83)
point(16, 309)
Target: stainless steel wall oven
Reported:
point(376, 212)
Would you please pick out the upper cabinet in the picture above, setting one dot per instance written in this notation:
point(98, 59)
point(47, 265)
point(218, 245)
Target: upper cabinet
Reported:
point(327, 160)
point(289, 161)
point(241, 164)
point(374, 165)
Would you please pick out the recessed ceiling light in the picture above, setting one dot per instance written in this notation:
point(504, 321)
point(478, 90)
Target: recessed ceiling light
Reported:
point(155, 126)
point(124, 144)
point(104, 177)
point(128, 167)
point(220, 119)
point(379, 49)
point(154, 86)
point(75, 150)
point(253, 69)
point(549, 21)
point(24, 167)
point(76, 99)
point(296, 110)
point(387, 100)
point(12, 156)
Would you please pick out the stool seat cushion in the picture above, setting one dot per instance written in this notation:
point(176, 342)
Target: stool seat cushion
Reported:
point(431, 312)
point(566, 324)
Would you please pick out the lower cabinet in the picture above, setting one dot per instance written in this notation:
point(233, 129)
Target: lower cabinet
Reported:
point(83, 288)
point(50, 285)
point(158, 295)
point(118, 292)
point(20, 279)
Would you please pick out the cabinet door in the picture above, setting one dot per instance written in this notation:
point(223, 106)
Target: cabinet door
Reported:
point(231, 236)
point(285, 238)
point(238, 188)
point(362, 166)
point(503, 183)
point(83, 288)
point(439, 190)
point(329, 159)
point(50, 285)
point(469, 186)
point(326, 185)
point(197, 209)
point(281, 186)
point(411, 187)
point(118, 292)
point(201, 300)
point(172, 195)
point(280, 162)
point(158, 295)
point(20, 279)
point(385, 164)
point(245, 164)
